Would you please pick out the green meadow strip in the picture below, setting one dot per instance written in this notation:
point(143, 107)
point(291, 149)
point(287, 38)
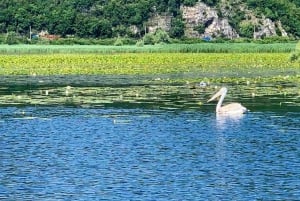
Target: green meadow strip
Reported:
point(159, 48)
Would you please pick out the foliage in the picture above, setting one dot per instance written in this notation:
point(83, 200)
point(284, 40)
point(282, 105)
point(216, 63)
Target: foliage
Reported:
point(177, 28)
point(189, 2)
point(288, 12)
point(200, 28)
point(246, 30)
point(210, 2)
point(295, 55)
point(159, 36)
point(11, 38)
point(236, 18)
point(145, 63)
point(202, 47)
point(118, 42)
point(109, 19)
point(149, 39)
point(140, 43)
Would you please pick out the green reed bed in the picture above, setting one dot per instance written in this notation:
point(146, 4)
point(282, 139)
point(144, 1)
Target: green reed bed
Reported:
point(159, 48)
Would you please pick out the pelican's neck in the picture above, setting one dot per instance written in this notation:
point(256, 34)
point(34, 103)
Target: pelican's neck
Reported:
point(221, 101)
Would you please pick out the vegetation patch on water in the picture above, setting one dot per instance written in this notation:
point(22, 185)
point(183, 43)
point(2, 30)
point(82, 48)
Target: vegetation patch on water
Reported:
point(218, 64)
point(156, 80)
point(169, 92)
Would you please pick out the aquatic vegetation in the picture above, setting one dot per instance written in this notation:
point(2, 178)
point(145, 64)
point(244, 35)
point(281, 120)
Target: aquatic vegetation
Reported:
point(162, 80)
point(164, 92)
point(217, 65)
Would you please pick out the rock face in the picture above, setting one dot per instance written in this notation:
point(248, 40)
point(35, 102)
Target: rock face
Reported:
point(265, 29)
point(283, 32)
point(203, 21)
point(159, 22)
point(207, 17)
point(221, 27)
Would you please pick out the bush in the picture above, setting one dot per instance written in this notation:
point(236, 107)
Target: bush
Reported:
point(160, 36)
point(140, 43)
point(118, 42)
point(273, 39)
point(11, 38)
point(295, 55)
point(149, 39)
point(246, 30)
point(128, 41)
point(2, 38)
point(177, 28)
point(200, 28)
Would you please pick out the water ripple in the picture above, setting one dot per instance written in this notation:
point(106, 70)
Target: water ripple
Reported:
point(66, 153)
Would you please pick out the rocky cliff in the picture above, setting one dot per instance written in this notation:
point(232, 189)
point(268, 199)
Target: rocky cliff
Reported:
point(202, 20)
point(207, 17)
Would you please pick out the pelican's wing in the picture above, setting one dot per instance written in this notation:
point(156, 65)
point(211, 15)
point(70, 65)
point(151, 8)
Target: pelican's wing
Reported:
point(233, 108)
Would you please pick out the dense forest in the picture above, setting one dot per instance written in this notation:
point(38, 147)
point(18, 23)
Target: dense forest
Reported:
point(111, 18)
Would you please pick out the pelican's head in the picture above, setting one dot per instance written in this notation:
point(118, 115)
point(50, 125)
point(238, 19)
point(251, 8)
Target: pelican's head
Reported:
point(223, 90)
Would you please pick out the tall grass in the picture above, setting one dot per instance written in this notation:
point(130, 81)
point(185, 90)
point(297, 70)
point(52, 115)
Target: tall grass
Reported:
point(162, 48)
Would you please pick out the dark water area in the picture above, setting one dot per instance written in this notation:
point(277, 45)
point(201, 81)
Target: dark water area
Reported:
point(147, 141)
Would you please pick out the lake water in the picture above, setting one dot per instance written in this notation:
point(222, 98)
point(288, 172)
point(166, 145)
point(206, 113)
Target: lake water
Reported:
point(136, 145)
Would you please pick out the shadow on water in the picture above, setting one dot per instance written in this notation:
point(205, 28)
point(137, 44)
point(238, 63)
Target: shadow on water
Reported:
point(132, 91)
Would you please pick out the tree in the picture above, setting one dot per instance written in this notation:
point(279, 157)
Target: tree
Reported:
point(246, 30)
point(210, 2)
point(109, 18)
point(189, 2)
point(161, 36)
point(11, 38)
point(100, 28)
point(177, 28)
point(174, 6)
point(200, 28)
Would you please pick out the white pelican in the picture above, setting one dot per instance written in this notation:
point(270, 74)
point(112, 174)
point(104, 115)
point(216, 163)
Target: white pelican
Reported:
point(68, 89)
point(232, 108)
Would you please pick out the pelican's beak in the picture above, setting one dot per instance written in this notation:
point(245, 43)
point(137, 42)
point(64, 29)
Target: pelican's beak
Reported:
point(215, 96)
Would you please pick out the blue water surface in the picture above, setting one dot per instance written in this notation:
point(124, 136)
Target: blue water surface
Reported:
point(65, 153)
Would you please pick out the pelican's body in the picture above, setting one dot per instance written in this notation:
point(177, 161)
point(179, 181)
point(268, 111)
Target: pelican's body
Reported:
point(232, 108)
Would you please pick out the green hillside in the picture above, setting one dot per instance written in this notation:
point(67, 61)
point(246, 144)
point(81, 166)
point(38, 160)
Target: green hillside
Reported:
point(112, 18)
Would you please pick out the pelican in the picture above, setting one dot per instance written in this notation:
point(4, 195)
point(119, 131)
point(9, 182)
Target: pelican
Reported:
point(232, 108)
point(68, 88)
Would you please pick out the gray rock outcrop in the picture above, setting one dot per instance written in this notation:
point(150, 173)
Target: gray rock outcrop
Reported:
point(203, 21)
point(162, 21)
point(265, 29)
point(203, 15)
